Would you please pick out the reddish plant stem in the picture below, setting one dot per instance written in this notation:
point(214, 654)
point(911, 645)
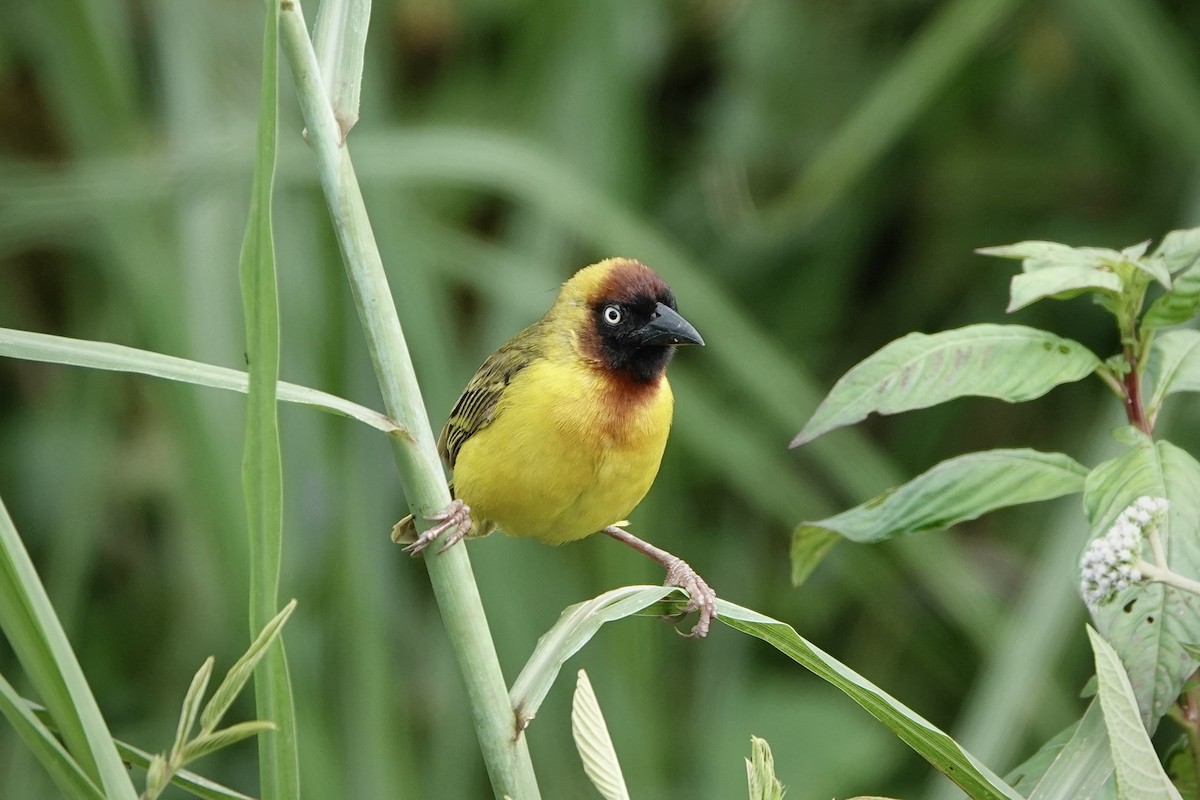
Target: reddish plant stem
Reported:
point(1135, 411)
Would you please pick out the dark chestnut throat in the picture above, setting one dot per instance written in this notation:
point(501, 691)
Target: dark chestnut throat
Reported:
point(638, 365)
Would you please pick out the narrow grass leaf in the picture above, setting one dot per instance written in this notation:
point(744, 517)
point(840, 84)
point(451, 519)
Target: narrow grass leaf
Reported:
point(1172, 365)
point(242, 670)
point(211, 742)
point(262, 471)
point(760, 772)
point(37, 638)
point(1080, 768)
point(45, 746)
point(1013, 363)
point(575, 627)
point(50, 349)
point(340, 38)
point(1059, 283)
point(932, 744)
point(191, 704)
point(1140, 776)
point(1148, 624)
point(956, 490)
point(594, 744)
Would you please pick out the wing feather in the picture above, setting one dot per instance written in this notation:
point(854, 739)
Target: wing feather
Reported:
point(476, 408)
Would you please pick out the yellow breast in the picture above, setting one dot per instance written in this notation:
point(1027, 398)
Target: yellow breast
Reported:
point(568, 453)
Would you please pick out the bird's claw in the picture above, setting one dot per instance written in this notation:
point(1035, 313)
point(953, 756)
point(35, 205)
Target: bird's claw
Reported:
point(701, 596)
point(455, 518)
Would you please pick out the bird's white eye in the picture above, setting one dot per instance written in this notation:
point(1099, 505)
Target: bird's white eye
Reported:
point(612, 315)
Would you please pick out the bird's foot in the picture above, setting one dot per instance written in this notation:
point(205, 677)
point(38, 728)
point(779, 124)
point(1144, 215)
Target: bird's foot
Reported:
point(701, 596)
point(455, 518)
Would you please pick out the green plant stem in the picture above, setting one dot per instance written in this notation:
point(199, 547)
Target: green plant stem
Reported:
point(505, 754)
point(1170, 578)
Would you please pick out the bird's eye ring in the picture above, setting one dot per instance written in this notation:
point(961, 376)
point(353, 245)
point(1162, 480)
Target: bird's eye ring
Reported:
point(612, 315)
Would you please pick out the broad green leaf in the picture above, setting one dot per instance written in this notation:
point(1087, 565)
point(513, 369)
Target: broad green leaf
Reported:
point(575, 627)
point(1037, 255)
point(1179, 250)
point(1177, 305)
point(932, 744)
point(1172, 365)
point(1140, 776)
point(1025, 776)
point(118, 358)
point(760, 772)
point(191, 705)
point(1135, 251)
point(36, 636)
point(1082, 768)
point(242, 669)
point(1060, 283)
point(594, 744)
point(262, 468)
point(810, 544)
point(1009, 362)
point(1153, 267)
point(959, 489)
point(1149, 624)
point(45, 746)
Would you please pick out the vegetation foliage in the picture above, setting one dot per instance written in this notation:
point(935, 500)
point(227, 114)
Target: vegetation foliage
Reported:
point(812, 179)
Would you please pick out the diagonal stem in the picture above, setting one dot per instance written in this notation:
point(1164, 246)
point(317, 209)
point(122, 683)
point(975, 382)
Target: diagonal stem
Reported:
point(506, 757)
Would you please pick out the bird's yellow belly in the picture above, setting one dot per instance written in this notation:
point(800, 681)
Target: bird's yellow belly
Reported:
point(559, 462)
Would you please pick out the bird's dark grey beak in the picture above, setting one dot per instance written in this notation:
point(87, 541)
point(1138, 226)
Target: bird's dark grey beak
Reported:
point(667, 327)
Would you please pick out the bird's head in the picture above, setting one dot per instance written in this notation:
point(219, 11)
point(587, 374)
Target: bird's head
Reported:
point(625, 318)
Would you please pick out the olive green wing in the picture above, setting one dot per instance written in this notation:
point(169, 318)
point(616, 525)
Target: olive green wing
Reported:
point(476, 408)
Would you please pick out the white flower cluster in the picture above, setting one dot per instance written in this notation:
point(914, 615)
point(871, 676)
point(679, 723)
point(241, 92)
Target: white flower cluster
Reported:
point(1110, 562)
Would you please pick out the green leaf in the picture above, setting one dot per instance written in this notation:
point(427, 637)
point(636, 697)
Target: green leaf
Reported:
point(1179, 250)
point(1036, 255)
point(760, 772)
point(810, 544)
point(1140, 776)
point(242, 669)
point(1172, 365)
point(262, 469)
point(211, 742)
point(1009, 362)
point(118, 358)
point(594, 744)
point(575, 627)
point(45, 746)
point(1083, 768)
point(932, 744)
point(191, 705)
point(37, 638)
point(959, 489)
point(1060, 283)
point(1177, 305)
point(1148, 624)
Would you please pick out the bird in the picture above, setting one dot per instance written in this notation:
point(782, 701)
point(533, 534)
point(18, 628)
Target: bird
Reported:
point(561, 431)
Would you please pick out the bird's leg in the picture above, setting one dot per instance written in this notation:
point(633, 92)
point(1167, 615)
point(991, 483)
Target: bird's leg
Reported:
point(679, 573)
point(455, 518)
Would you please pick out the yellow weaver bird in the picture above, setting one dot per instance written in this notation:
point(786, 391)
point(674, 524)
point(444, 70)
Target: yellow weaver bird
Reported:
point(560, 433)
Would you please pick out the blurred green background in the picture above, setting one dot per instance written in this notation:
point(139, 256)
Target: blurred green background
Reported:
point(812, 178)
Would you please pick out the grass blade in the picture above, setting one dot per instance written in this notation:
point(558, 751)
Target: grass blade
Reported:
point(45, 746)
point(594, 744)
point(118, 358)
point(262, 470)
point(32, 628)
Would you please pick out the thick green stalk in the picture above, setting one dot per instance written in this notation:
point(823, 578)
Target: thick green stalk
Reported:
point(506, 755)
